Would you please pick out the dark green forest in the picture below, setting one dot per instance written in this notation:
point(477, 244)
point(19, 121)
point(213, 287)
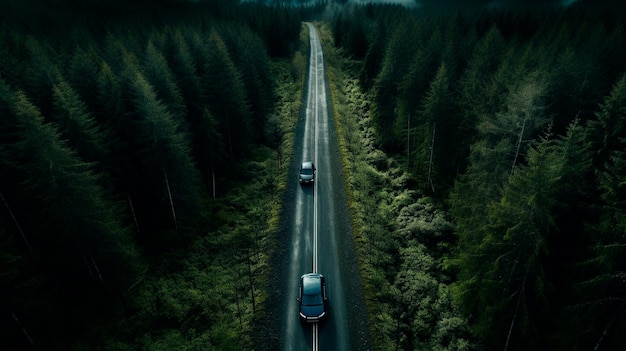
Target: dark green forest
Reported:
point(127, 142)
point(484, 151)
point(512, 122)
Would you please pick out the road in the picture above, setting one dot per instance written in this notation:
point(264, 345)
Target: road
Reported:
point(319, 238)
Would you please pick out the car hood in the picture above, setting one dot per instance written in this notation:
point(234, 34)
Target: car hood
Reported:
point(312, 310)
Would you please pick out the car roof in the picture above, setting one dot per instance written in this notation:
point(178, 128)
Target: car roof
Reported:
point(307, 164)
point(312, 284)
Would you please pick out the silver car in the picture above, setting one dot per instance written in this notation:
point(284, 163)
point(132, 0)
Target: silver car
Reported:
point(307, 172)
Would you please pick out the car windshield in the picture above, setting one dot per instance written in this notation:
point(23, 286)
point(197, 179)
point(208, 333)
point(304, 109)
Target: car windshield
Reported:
point(306, 171)
point(312, 300)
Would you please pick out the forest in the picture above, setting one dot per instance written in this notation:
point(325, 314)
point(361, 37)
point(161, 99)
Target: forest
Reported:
point(126, 146)
point(488, 143)
point(512, 124)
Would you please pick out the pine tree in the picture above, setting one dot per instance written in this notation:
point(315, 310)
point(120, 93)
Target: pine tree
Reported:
point(252, 61)
point(157, 71)
point(483, 63)
point(78, 231)
point(440, 142)
point(185, 69)
point(81, 75)
point(40, 74)
point(400, 48)
point(226, 96)
point(76, 123)
point(165, 173)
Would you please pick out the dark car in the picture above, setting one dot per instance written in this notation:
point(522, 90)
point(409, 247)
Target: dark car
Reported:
point(312, 297)
point(307, 172)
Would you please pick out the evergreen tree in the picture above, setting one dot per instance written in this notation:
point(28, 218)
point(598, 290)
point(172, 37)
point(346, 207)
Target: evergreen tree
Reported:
point(374, 56)
point(475, 79)
point(400, 47)
point(165, 179)
point(76, 123)
point(226, 96)
point(76, 228)
point(251, 59)
point(157, 71)
point(185, 69)
point(82, 74)
point(40, 73)
point(440, 141)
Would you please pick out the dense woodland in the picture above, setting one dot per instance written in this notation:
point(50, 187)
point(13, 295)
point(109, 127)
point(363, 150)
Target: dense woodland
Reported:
point(514, 122)
point(126, 144)
point(489, 143)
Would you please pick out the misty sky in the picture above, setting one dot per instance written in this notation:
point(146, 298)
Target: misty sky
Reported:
point(489, 3)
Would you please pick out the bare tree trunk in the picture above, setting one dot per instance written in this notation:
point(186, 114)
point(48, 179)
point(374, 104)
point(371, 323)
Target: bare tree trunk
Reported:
point(19, 324)
point(143, 274)
point(132, 210)
point(519, 144)
point(213, 182)
point(519, 300)
point(606, 329)
point(95, 266)
point(169, 194)
point(17, 224)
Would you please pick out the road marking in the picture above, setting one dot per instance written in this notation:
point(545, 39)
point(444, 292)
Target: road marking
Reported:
point(315, 186)
point(313, 70)
point(316, 345)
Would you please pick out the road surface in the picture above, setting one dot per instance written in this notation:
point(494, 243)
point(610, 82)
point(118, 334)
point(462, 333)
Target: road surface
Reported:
point(319, 234)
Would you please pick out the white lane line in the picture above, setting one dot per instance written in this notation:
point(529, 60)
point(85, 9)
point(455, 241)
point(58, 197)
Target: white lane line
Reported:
point(315, 115)
point(316, 345)
point(314, 77)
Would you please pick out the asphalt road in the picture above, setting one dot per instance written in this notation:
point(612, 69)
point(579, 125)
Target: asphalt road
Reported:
point(318, 235)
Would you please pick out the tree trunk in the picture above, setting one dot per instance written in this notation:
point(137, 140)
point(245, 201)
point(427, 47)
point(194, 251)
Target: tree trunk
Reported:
point(519, 300)
point(17, 224)
point(132, 210)
point(519, 144)
point(26, 335)
point(169, 194)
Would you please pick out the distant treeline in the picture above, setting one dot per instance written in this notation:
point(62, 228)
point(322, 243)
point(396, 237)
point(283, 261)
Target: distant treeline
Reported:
point(117, 130)
point(516, 121)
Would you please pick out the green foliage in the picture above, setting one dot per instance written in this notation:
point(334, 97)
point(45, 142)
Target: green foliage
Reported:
point(76, 123)
point(400, 236)
point(520, 133)
point(111, 133)
point(227, 97)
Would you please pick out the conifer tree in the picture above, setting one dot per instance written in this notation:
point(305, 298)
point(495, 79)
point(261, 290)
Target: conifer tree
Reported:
point(40, 74)
point(440, 142)
point(227, 97)
point(82, 75)
point(110, 105)
point(76, 123)
point(166, 176)
point(157, 71)
point(78, 231)
point(475, 79)
point(251, 59)
point(185, 68)
point(400, 48)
